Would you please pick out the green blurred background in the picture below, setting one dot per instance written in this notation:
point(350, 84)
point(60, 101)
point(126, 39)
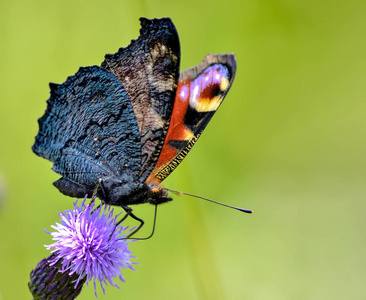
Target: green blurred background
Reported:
point(288, 142)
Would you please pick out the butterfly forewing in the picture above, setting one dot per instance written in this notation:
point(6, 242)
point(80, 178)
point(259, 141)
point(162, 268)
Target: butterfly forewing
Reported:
point(199, 94)
point(148, 69)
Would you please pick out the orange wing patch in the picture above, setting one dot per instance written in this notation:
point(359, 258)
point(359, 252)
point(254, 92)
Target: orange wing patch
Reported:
point(199, 93)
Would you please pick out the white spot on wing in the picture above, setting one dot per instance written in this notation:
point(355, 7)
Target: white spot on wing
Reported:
point(195, 95)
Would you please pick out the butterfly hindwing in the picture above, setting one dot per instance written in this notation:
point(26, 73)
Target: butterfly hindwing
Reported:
point(89, 131)
point(148, 69)
point(200, 92)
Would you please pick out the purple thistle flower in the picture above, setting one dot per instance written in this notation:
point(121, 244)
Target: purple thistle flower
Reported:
point(89, 244)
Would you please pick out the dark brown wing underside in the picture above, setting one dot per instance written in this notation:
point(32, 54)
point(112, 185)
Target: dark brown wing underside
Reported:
point(148, 69)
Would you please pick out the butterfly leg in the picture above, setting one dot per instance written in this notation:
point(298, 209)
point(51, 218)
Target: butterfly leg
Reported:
point(94, 196)
point(145, 238)
point(128, 211)
point(96, 189)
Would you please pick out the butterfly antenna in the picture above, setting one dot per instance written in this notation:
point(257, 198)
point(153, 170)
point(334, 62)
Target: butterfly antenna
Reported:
point(248, 211)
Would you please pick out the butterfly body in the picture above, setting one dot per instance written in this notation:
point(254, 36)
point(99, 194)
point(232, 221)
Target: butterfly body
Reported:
point(126, 125)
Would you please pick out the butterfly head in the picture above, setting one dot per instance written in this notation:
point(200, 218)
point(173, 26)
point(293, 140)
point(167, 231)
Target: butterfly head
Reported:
point(158, 195)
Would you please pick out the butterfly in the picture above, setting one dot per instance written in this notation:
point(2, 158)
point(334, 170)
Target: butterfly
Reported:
point(126, 125)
